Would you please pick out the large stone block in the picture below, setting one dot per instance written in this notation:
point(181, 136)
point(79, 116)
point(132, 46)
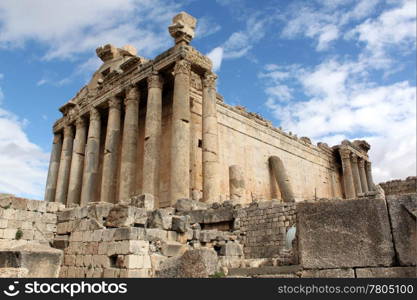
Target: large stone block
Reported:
point(394, 272)
point(344, 233)
point(197, 263)
point(124, 216)
point(328, 273)
point(404, 227)
point(160, 218)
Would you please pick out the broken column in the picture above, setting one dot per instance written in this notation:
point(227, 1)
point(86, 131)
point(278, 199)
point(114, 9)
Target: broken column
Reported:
point(51, 181)
point(77, 163)
point(129, 145)
point(355, 173)
point(362, 175)
point(236, 183)
point(64, 165)
point(92, 154)
point(370, 181)
point(180, 136)
point(111, 146)
point(282, 179)
point(211, 188)
point(153, 133)
point(347, 173)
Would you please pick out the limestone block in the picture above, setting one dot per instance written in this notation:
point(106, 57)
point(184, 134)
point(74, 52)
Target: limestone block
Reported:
point(124, 216)
point(404, 227)
point(153, 234)
point(328, 273)
point(172, 235)
point(160, 218)
point(19, 203)
point(99, 210)
point(111, 273)
point(185, 204)
point(108, 234)
point(196, 263)
point(181, 223)
point(60, 242)
point(393, 272)
point(231, 249)
point(207, 236)
point(139, 247)
point(218, 215)
point(172, 248)
point(196, 216)
point(146, 201)
point(3, 223)
point(41, 261)
point(344, 233)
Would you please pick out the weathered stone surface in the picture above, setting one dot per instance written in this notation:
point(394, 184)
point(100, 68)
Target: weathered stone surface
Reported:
point(146, 201)
point(172, 248)
point(13, 272)
point(222, 214)
point(160, 218)
point(181, 223)
point(328, 273)
point(231, 249)
point(39, 260)
point(347, 233)
point(197, 263)
point(404, 227)
point(393, 272)
point(123, 216)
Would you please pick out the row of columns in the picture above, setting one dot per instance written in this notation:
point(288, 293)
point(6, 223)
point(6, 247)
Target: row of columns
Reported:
point(357, 174)
point(73, 176)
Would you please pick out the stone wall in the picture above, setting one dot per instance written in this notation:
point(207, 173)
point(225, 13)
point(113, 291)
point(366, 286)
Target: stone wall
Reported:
point(265, 225)
point(398, 186)
point(27, 220)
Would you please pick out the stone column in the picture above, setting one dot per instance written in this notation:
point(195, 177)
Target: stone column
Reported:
point(362, 175)
point(51, 181)
point(92, 158)
point(111, 151)
point(64, 166)
point(77, 163)
point(355, 173)
point(129, 145)
point(211, 183)
point(236, 183)
point(153, 133)
point(347, 173)
point(180, 135)
point(282, 179)
point(370, 181)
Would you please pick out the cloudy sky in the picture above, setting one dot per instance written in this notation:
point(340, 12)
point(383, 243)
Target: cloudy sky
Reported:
point(326, 69)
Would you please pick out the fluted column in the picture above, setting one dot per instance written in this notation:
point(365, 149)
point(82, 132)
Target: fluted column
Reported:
point(92, 158)
point(64, 165)
point(129, 145)
point(282, 178)
point(370, 181)
point(362, 174)
point(51, 181)
point(111, 149)
point(180, 136)
point(153, 132)
point(347, 173)
point(211, 184)
point(355, 173)
point(77, 163)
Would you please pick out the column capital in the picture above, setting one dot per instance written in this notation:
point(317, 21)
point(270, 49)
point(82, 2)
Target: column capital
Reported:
point(155, 80)
point(209, 79)
point(354, 158)
point(94, 114)
point(368, 163)
point(114, 102)
point(57, 137)
point(344, 153)
point(361, 162)
point(182, 67)
point(132, 95)
point(68, 131)
point(80, 122)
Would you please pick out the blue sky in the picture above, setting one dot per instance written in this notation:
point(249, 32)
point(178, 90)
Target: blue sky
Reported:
point(326, 69)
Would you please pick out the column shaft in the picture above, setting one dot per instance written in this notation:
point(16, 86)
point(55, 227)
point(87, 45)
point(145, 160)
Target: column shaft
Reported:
point(152, 142)
point(282, 179)
point(362, 174)
point(51, 181)
point(211, 184)
point(370, 181)
point(355, 173)
point(77, 163)
point(347, 174)
point(129, 145)
point(180, 135)
point(236, 183)
point(64, 166)
point(92, 158)
point(111, 151)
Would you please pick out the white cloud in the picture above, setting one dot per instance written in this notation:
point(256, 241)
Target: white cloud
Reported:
point(79, 26)
point(23, 164)
point(216, 56)
point(206, 27)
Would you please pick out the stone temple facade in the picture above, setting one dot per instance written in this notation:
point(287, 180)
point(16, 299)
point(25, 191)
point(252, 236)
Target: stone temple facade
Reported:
point(158, 127)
